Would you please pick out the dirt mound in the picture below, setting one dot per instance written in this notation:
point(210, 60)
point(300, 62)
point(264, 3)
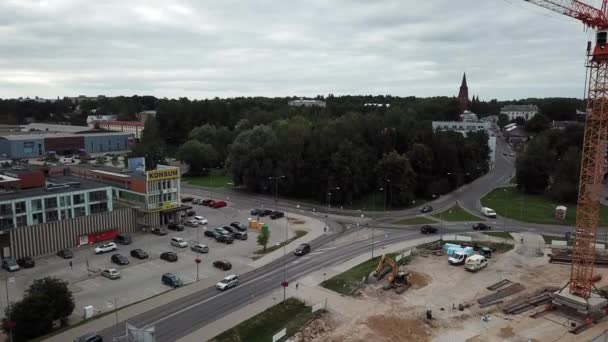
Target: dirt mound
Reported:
point(313, 330)
point(419, 279)
point(295, 221)
point(396, 329)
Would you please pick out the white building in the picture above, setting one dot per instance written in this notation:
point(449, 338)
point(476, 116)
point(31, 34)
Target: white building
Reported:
point(526, 112)
point(307, 103)
point(92, 118)
point(469, 116)
point(464, 127)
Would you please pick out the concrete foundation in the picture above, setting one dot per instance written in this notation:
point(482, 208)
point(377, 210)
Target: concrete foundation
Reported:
point(592, 305)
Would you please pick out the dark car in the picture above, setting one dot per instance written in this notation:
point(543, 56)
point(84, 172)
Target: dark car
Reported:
point(481, 226)
point(169, 256)
point(265, 212)
point(427, 229)
point(225, 238)
point(210, 233)
point(190, 213)
point(90, 337)
point(26, 262)
point(277, 215)
point(158, 231)
point(171, 280)
point(208, 202)
point(139, 253)
point(222, 264)
point(256, 212)
point(239, 226)
point(218, 204)
point(426, 209)
point(65, 253)
point(231, 230)
point(187, 199)
point(119, 259)
point(123, 239)
point(240, 235)
point(302, 249)
point(176, 226)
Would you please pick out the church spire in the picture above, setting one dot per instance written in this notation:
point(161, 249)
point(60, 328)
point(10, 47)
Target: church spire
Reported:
point(463, 94)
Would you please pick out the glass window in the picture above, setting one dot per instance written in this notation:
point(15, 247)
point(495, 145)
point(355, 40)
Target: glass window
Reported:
point(21, 221)
point(6, 209)
point(95, 196)
point(79, 211)
point(37, 218)
point(28, 147)
point(6, 223)
point(66, 214)
point(50, 203)
point(19, 207)
point(78, 198)
point(51, 216)
point(98, 208)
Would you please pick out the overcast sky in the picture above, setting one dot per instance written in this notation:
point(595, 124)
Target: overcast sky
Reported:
point(226, 48)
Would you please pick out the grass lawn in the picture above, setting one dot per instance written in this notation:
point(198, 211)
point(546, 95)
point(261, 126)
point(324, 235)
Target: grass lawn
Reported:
point(215, 179)
point(504, 235)
point(299, 234)
point(293, 315)
point(456, 213)
point(415, 220)
point(346, 282)
point(511, 203)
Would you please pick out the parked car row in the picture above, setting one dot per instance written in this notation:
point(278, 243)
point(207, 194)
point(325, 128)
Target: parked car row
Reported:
point(209, 203)
point(227, 234)
point(273, 214)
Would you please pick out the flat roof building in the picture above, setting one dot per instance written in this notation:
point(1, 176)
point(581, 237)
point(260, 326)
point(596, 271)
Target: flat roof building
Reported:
point(307, 103)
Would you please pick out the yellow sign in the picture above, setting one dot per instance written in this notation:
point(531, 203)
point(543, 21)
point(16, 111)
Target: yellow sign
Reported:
point(166, 206)
point(155, 175)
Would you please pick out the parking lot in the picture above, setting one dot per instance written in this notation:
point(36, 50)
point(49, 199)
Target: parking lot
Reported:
point(141, 278)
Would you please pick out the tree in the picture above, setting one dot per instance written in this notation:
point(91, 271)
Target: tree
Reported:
point(503, 120)
point(100, 160)
point(520, 121)
point(538, 123)
point(199, 156)
point(396, 175)
point(263, 238)
point(564, 187)
point(151, 145)
point(535, 165)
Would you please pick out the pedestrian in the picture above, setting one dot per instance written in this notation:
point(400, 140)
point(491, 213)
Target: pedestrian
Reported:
point(522, 240)
point(324, 229)
point(71, 266)
point(297, 285)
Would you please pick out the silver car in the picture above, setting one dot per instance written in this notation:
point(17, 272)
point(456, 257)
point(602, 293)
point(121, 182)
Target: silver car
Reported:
point(110, 273)
point(199, 248)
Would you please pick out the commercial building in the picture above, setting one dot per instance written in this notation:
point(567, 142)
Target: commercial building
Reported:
point(461, 126)
point(91, 119)
point(307, 103)
point(468, 116)
point(132, 127)
point(526, 112)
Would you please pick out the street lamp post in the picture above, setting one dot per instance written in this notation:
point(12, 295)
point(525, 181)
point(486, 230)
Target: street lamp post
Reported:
point(329, 205)
point(8, 311)
point(276, 187)
point(390, 194)
point(372, 240)
point(384, 193)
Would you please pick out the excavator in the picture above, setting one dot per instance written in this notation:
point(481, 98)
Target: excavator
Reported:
point(397, 279)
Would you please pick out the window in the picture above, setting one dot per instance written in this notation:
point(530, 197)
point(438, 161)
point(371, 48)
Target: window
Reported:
point(19, 207)
point(78, 199)
point(21, 221)
point(37, 218)
point(79, 211)
point(50, 203)
point(6, 209)
point(6, 223)
point(98, 208)
point(65, 201)
point(66, 214)
point(52, 216)
point(28, 147)
point(95, 196)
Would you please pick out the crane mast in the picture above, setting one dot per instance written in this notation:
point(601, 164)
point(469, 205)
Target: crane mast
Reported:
point(594, 145)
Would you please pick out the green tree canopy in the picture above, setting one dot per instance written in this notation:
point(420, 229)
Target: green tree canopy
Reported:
point(199, 156)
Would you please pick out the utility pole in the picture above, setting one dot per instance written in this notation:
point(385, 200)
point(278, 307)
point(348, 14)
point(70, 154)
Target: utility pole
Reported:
point(372, 240)
point(329, 205)
point(276, 187)
point(8, 311)
point(390, 194)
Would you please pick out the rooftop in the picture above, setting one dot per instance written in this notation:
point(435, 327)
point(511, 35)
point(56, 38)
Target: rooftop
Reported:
point(55, 185)
point(112, 171)
point(36, 126)
point(29, 136)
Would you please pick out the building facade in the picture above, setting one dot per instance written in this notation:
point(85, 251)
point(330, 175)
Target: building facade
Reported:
point(132, 127)
point(526, 112)
point(461, 126)
point(307, 103)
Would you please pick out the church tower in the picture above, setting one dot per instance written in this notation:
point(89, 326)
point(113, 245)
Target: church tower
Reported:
point(463, 94)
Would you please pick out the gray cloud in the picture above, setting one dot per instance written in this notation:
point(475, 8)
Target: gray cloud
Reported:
point(200, 49)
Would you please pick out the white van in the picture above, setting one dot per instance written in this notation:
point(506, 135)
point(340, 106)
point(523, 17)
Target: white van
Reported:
point(488, 212)
point(67, 160)
point(475, 262)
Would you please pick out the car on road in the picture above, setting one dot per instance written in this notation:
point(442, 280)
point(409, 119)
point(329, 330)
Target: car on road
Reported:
point(26, 262)
point(256, 212)
point(158, 231)
point(428, 229)
point(207, 202)
point(187, 199)
point(110, 273)
point(199, 248)
point(169, 256)
point(228, 282)
point(219, 204)
point(222, 264)
point(511, 154)
point(200, 219)
point(277, 215)
point(239, 226)
point(10, 265)
point(90, 337)
point(171, 280)
point(192, 223)
point(210, 233)
point(225, 238)
point(65, 253)
point(179, 242)
point(139, 254)
point(105, 247)
point(481, 226)
point(119, 259)
point(123, 239)
point(302, 249)
point(505, 154)
point(190, 213)
point(197, 201)
point(265, 212)
point(426, 209)
point(176, 226)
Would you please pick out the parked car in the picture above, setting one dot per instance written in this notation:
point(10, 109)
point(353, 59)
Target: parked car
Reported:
point(197, 201)
point(169, 256)
point(208, 202)
point(428, 229)
point(211, 234)
point(192, 223)
point(200, 219)
point(26, 262)
point(119, 259)
point(123, 239)
point(240, 235)
point(481, 226)
point(171, 280)
point(158, 231)
point(10, 265)
point(190, 213)
point(228, 282)
point(110, 273)
point(225, 238)
point(256, 212)
point(239, 226)
point(105, 247)
point(179, 242)
point(90, 337)
point(229, 229)
point(475, 263)
point(139, 254)
point(222, 231)
point(222, 264)
point(302, 249)
point(426, 209)
point(176, 226)
point(187, 199)
point(65, 253)
point(219, 204)
point(277, 215)
point(265, 212)
point(199, 248)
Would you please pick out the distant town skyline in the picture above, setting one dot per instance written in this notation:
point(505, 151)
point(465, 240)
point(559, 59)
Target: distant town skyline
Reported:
point(509, 49)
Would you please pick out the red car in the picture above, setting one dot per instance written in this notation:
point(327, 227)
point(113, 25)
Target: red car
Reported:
point(219, 204)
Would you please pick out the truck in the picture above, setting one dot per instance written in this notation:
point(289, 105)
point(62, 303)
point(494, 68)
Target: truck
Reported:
point(460, 256)
point(475, 263)
point(488, 212)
